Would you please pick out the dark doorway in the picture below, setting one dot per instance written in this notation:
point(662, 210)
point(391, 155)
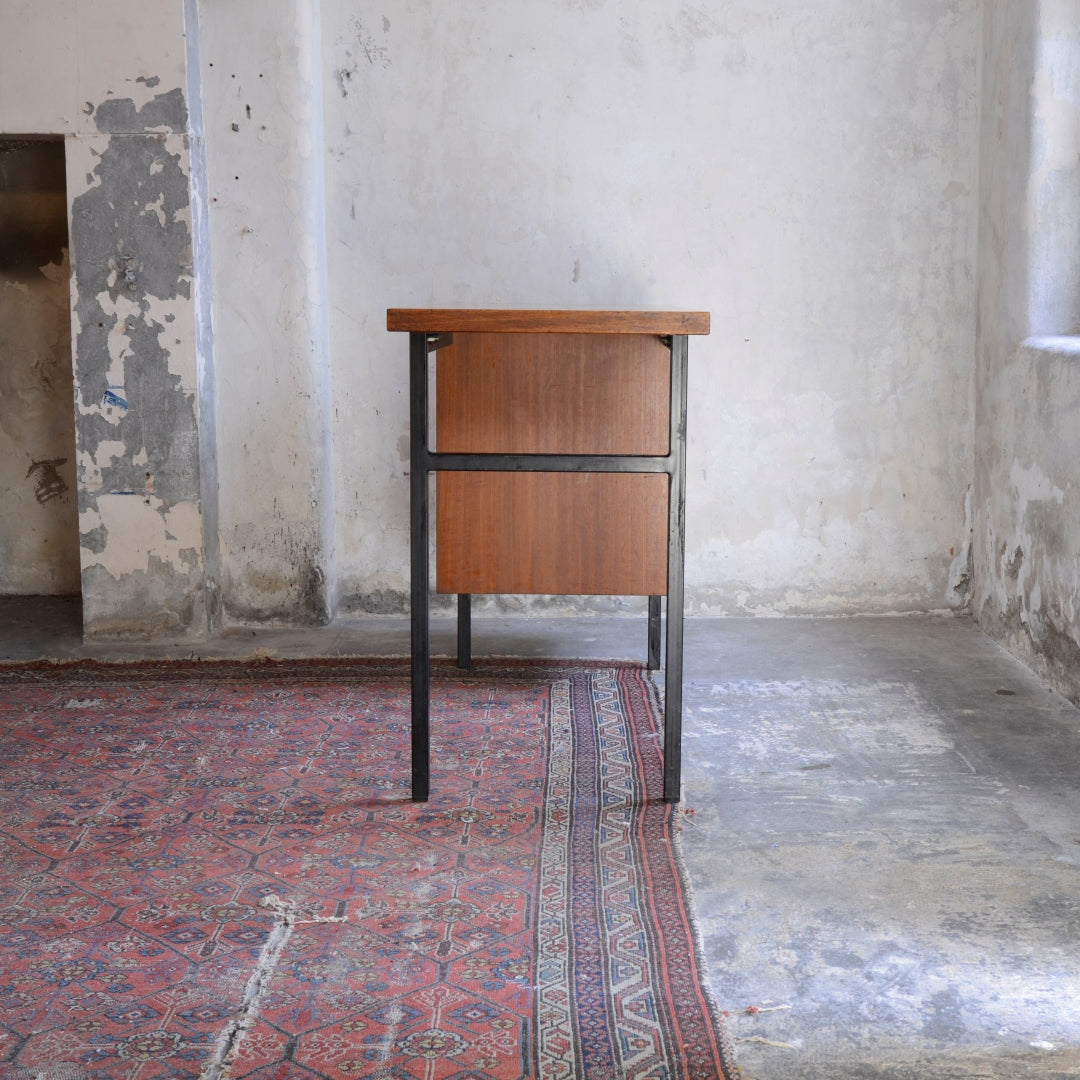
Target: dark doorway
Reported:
point(39, 526)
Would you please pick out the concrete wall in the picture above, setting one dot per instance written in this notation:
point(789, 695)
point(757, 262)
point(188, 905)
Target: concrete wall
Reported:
point(112, 79)
point(1027, 466)
point(806, 172)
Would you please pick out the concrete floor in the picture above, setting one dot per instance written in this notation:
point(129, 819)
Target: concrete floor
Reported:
point(881, 821)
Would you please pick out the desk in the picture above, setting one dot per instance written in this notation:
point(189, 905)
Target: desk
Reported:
point(561, 453)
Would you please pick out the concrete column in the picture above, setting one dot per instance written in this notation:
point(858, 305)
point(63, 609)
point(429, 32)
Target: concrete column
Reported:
point(1027, 442)
point(262, 103)
point(135, 354)
point(136, 409)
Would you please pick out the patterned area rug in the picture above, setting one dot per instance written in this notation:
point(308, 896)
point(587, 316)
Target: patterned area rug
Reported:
point(215, 870)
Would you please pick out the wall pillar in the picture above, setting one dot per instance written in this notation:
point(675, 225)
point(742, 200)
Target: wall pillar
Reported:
point(1027, 441)
point(136, 370)
point(263, 115)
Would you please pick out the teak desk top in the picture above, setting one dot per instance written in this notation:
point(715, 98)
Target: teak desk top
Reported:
point(528, 321)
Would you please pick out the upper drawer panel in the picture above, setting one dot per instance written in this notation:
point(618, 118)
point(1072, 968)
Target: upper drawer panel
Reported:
point(553, 394)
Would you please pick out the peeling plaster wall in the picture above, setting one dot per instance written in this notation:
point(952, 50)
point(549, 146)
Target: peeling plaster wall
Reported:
point(111, 78)
point(39, 550)
point(261, 62)
point(806, 172)
point(136, 382)
point(1027, 471)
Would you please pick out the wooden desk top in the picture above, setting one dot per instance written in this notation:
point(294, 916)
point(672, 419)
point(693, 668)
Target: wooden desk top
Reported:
point(528, 321)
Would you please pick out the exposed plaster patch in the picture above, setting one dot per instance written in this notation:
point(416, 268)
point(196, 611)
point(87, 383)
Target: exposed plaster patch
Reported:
point(164, 112)
point(92, 467)
point(136, 377)
point(132, 240)
point(158, 207)
point(1031, 484)
point(94, 539)
point(147, 528)
point(149, 604)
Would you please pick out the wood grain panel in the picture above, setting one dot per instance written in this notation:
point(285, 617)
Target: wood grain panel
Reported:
point(529, 321)
point(553, 394)
point(563, 533)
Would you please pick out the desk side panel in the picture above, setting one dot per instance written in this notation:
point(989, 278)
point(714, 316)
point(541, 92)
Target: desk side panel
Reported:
point(561, 533)
point(553, 394)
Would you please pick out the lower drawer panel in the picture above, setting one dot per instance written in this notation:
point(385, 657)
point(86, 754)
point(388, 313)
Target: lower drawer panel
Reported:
point(544, 532)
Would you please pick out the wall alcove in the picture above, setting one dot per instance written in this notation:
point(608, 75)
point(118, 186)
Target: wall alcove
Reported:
point(39, 539)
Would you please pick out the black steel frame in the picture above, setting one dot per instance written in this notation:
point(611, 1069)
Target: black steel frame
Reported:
point(423, 462)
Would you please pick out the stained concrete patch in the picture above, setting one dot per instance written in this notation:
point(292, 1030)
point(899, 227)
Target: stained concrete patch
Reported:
point(1045, 1065)
point(132, 240)
point(913, 909)
point(165, 112)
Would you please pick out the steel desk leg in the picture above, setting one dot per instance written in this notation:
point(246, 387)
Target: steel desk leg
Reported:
point(654, 633)
point(464, 630)
point(418, 559)
point(673, 673)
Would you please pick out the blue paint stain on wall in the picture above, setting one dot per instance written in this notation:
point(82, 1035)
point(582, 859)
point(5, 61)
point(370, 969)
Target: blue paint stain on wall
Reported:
point(112, 398)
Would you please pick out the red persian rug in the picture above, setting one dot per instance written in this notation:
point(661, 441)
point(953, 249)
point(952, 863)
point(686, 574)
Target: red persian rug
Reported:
point(214, 870)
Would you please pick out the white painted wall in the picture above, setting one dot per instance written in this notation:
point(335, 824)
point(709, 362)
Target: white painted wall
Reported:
point(805, 172)
point(262, 102)
point(62, 58)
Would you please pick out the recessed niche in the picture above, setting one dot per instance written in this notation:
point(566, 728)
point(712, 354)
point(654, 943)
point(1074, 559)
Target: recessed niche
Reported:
point(39, 537)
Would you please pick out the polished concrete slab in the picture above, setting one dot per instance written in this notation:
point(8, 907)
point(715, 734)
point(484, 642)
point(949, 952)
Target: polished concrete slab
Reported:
point(880, 819)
